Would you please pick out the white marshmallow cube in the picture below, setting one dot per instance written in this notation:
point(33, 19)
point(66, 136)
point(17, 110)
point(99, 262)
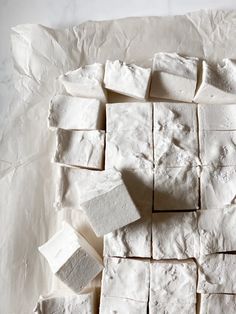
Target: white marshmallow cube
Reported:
point(218, 304)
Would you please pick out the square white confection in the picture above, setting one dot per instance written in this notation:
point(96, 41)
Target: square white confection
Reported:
point(133, 240)
point(121, 305)
point(217, 230)
point(129, 116)
point(218, 304)
point(60, 303)
point(80, 148)
point(176, 188)
point(218, 85)
point(86, 81)
point(75, 113)
point(174, 235)
point(71, 258)
point(126, 278)
point(127, 79)
point(217, 117)
point(218, 148)
point(110, 210)
point(76, 185)
point(173, 287)
point(174, 77)
point(218, 187)
point(131, 149)
point(217, 273)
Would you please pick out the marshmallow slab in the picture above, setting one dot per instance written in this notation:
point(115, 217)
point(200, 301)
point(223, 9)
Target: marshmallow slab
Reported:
point(71, 258)
point(174, 235)
point(173, 287)
point(121, 306)
point(218, 187)
point(86, 81)
point(218, 304)
point(61, 303)
point(129, 116)
point(217, 84)
point(176, 188)
point(80, 148)
point(217, 273)
point(131, 149)
point(218, 148)
point(127, 79)
point(174, 77)
point(217, 117)
point(217, 230)
point(75, 113)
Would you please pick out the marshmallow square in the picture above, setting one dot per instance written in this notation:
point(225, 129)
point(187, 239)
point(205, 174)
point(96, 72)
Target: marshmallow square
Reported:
point(175, 235)
point(80, 148)
point(174, 77)
point(75, 113)
point(217, 273)
point(173, 287)
point(218, 148)
point(127, 79)
point(71, 258)
point(218, 304)
point(176, 188)
point(218, 187)
point(86, 81)
point(121, 305)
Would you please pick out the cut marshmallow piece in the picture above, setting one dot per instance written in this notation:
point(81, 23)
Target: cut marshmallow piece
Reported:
point(86, 81)
point(80, 148)
point(173, 287)
point(127, 79)
point(218, 304)
point(217, 230)
point(176, 188)
point(129, 116)
point(222, 152)
point(174, 77)
point(218, 187)
point(71, 258)
point(217, 117)
point(217, 273)
point(75, 113)
point(217, 84)
point(124, 280)
point(175, 235)
point(58, 302)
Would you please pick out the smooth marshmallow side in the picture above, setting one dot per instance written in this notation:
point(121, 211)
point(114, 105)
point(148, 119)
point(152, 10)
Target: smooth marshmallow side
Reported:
point(127, 79)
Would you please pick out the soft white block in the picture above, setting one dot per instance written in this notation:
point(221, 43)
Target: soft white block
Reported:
point(218, 83)
point(217, 230)
point(175, 235)
point(218, 148)
point(218, 187)
point(129, 116)
point(174, 77)
point(111, 210)
point(217, 117)
point(127, 79)
point(86, 81)
point(80, 148)
point(217, 273)
point(176, 188)
point(71, 258)
point(131, 149)
point(59, 302)
point(75, 113)
point(126, 278)
point(218, 304)
point(121, 305)
point(173, 287)
point(133, 240)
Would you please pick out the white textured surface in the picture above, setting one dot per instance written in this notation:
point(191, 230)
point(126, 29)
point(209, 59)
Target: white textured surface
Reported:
point(174, 77)
point(80, 148)
point(218, 304)
point(121, 305)
point(127, 79)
